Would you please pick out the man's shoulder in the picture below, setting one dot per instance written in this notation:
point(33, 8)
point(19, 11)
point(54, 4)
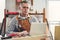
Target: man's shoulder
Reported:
point(31, 17)
point(14, 18)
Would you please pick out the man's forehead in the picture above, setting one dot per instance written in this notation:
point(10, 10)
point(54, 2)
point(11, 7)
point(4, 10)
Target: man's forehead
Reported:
point(25, 4)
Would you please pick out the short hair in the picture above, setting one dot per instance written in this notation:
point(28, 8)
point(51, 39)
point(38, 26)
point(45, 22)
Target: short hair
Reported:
point(23, 2)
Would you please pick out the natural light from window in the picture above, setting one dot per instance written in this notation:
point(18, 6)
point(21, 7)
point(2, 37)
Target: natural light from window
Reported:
point(54, 10)
point(53, 15)
point(2, 7)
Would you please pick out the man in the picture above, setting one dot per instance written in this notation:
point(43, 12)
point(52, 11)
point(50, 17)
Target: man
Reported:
point(20, 25)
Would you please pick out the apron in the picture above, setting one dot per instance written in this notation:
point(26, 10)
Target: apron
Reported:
point(25, 24)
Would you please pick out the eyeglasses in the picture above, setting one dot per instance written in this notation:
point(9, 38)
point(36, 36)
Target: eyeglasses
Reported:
point(25, 7)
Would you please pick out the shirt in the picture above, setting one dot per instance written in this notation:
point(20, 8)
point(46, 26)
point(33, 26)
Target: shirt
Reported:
point(14, 23)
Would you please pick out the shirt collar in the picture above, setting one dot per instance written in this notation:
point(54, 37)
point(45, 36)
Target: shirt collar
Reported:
point(23, 17)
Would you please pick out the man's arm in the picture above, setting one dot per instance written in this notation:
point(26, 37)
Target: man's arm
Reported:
point(12, 25)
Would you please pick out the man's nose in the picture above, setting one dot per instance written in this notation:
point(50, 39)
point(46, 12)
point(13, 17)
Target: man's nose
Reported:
point(26, 9)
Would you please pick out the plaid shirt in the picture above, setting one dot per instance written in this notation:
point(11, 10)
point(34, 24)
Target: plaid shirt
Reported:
point(14, 24)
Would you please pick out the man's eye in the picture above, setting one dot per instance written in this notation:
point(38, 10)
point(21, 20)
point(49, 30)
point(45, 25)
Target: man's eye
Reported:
point(25, 7)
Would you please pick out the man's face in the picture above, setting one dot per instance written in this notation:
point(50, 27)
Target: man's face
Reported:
point(24, 8)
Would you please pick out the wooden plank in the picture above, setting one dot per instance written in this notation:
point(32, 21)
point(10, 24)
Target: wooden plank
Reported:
point(57, 32)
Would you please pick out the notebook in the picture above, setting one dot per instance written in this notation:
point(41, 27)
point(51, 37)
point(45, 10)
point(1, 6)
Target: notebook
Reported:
point(38, 28)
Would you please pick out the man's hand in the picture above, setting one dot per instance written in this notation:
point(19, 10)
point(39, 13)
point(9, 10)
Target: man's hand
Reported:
point(24, 33)
point(19, 34)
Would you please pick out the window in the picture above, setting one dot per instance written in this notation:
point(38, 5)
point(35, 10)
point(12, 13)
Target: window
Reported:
point(53, 15)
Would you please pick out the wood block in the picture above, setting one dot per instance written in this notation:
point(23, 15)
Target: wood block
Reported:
point(57, 33)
